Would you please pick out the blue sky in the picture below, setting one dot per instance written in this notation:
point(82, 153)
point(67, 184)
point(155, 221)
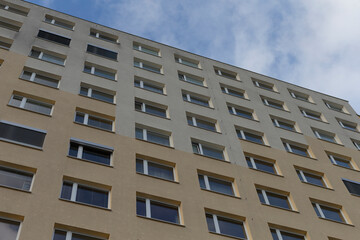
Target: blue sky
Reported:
point(312, 43)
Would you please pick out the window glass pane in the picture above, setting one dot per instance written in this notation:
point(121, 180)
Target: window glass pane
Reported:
point(231, 228)
point(21, 135)
point(53, 59)
point(160, 171)
point(102, 96)
point(59, 235)
point(139, 133)
point(278, 200)
point(79, 117)
point(102, 52)
point(158, 138)
point(150, 51)
point(265, 166)
point(139, 166)
point(9, 229)
point(73, 150)
point(87, 69)
point(213, 153)
point(210, 222)
point(46, 81)
point(96, 155)
point(275, 104)
point(265, 86)
point(151, 68)
point(235, 93)
point(37, 106)
point(273, 234)
point(253, 138)
point(299, 151)
point(155, 111)
point(26, 75)
point(205, 124)
point(314, 179)
point(326, 137)
point(221, 186)
point(331, 213)
point(104, 74)
point(164, 212)
point(92, 196)
point(313, 115)
point(153, 88)
point(291, 236)
point(140, 207)
point(15, 101)
point(100, 123)
point(195, 147)
point(54, 37)
point(15, 179)
point(199, 101)
point(286, 126)
point(35, 53)
point(66, 191)
point(202, 181)
point(242, 113)
point(76, 236)
point(353, 188)
point(261, 196)
point(342, 162)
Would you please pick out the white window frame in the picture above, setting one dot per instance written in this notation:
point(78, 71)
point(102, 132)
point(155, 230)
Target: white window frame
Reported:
point(86, 120)
point(253, 163)
point(180, 60)
point(98, 33)
point(279, 235)
point(293, 94)
point(70, 233)
point(25, 99)
point(188, 99)
point(217, 227)
point(318, 207)
point(226, 89)
point(219, 72)
point(267, 202)
point(207, 183)
point(332, 159)
point(328, 104)
point(185, 79)
point(140, 47)
point(92, 72)
point(141, 65)
point(303, 178)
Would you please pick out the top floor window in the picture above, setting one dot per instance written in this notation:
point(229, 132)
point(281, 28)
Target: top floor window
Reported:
point(334, 106)
point(146, 49)
point(103, 36)
point(226, 73)
point(14, 8)
point(59, 22)
point(300, 96)
point(264, 85)
point(54, 37)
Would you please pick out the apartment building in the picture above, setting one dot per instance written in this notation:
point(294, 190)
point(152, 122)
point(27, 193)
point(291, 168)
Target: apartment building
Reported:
point(106, 135)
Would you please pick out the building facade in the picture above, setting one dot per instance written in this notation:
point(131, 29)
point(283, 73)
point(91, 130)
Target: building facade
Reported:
point(107, 135)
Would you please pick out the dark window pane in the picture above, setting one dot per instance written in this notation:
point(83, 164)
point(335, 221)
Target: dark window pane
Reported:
point(102, 52)
point(210, 222)
point(66, 190)
point(59, 235)
point(76, 236)
point(299, 150)
point(243, 113)
point(15, 179)
point(164, 212)
point(16, 101)
point(9, 229)
point(160, 171)
point(102, 96)
point(92, 196)
point(35, 53)
point(38, 107)
point(96, 155)
point(278, 200)
point(139, 166)
point(140, 207)
point(206, 125)
point(342, 162)
point(199, 101)
point(213, 153)
point(353, 188)
point(54, 37)
point(153, 88)
point(235, 93)
point(195, 147)
point(332, 213)
point(231, 227)
point(104, 74)
point(46, 81)
point(291, 236)
point(265, 166)
point(158, 138)
point(139, 133)
point(21, 135)
point(100, 123)
point(202, 181)
point(253, 138)
point(137, 83)
point(73, 150)
point(314, 179)
point(79, 117)
point(221, 186)
point(155, 111)
point(249, 163)
point(261, 196)
point(274, 235)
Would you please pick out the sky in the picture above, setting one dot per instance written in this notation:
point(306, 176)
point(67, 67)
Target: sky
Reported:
point(311, 43)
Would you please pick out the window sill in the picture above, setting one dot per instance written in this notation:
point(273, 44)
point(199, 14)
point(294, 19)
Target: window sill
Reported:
point(289, 130)
point(85, 204)
point(152, 114)
point(273, 174)
point(203, 86)
point(224, 235)
point(352, 169)
point(344, 223)
point(189, 66)
point(114, 80)
point(114, 42)
point(316, 119)
point(199, 104)
point(59, 26)
point(27, 110)
point(205, 129)
point(221, 160)
point(162, 221)
point(318, 186)
point(289, 210)
point(167, 180)
point(149, 70)
point(171, 147)
point(89, 161)
point(105, 130)
point(147, 53)
point(163, 94)
point(251, 119)
point(57, 88)
point(16, 189)
point(302, 156)
point(223, 194)
point(97, 99)
point(111, 59)
point(57, 64)
point(21, 144)
point(264, 145)
point(60, 44)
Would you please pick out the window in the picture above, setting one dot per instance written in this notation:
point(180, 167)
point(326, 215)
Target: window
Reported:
point(14, 178)
point(201, 123)
point(100, 71)
point(334, 106)
point(225, 73)
point(264, 85)
point(329, 212)
point(352, 186)
point(159, 111)
point(90, 151)
point(14, 8)
point(5, 43)
point(285, 235)
point(10, 24)
point(226, 226)
point(68, 235)
point(151, 86)
point(299, 96)
point(356, 144)
point(93, 120)
point(103, 36)
point(54, 37)
point(284, 124)
point(273, 103)
point(152, 136)
point(348, 125)
point(76, 192)
point(149, 208)
point(97, 93)
point(216, 185)
point(59, 22)
point(191, 79)
point(30, 104)
point(9, 229)
point(200, 100)
point(48, 56)
point(261, 165)
point(233, 92)
point(250, 136)
point(40, 78)
point(101, 52)
point(208, 151)
point(146, 49)
point(311, 114)
point(27, 136)
point(297, 149)
point(241, 112)
point(155, 169)
point(274, 199)
point(187, 61)
point(311, 178)
point(326, 136)
point(341, 161)
point(147, 66)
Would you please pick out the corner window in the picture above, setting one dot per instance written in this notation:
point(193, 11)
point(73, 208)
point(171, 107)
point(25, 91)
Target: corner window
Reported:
point(329, 212)
point(54, 37)
point(155, 169)
point(152, 67)
point(296, 149)
point(232, 91)
point(150, 108)
point(250, 136)
point(100, 71)
point(162, 211)
point(191, 79)
point(201, 123)
point(352, 186)
point(326, 136)
point(261, 165)
point(200, 100)
point(27, 136)
point(90, 151)
point(285, 235)
point(147, 85)
point(93, 120)
point(146, 49)
point(101, 52)
point(311, 178)
point(68, 235)
point(264, 85)
point(274, 199)
point(341, 161)
point(29, 103)
point(76, 192)
point(97, 93)
point(216, 185)
point(208, 151)
point(226, 226)
point(9, 229)
point(41, 78)
point(48, 56)
point(59, 22)
point(226, 74)
point(187, 61)
point(241, 112)
point(14, 178)
point(103, 36)
point(152, 136)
